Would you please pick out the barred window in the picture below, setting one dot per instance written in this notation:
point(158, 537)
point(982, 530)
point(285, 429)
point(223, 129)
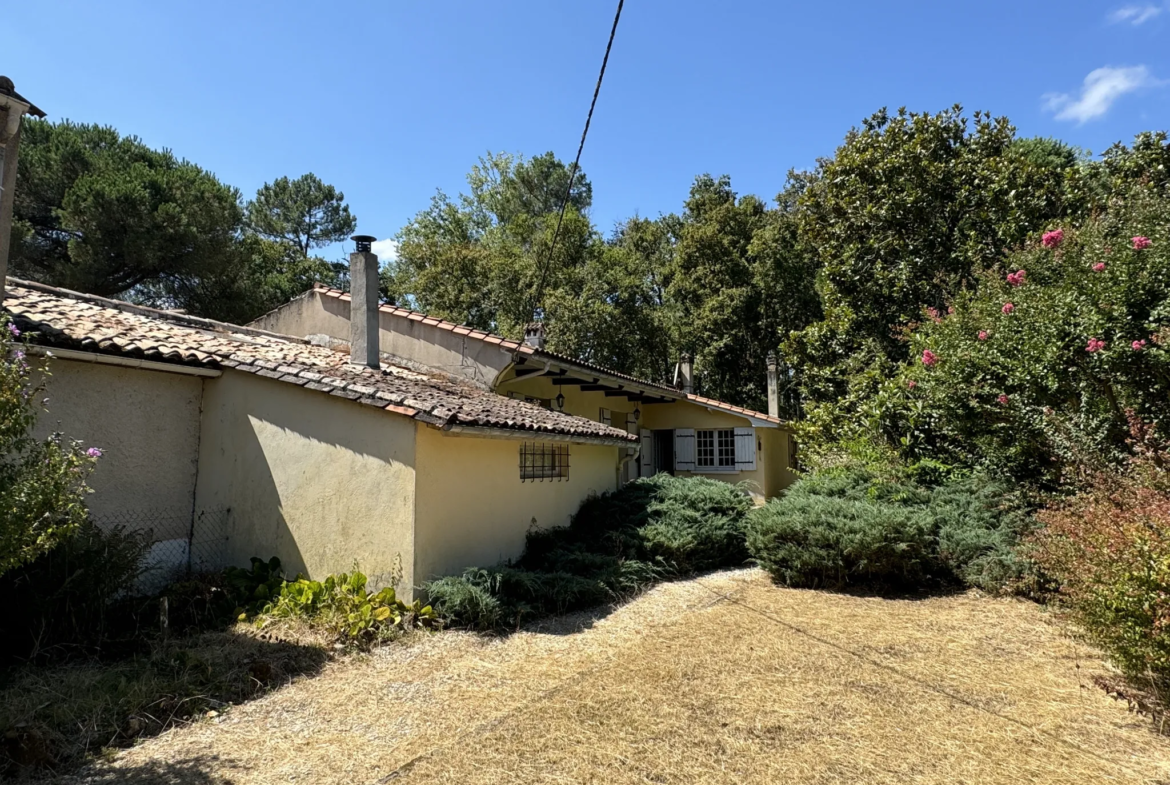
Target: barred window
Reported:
point(715, 448)
point(544, 461)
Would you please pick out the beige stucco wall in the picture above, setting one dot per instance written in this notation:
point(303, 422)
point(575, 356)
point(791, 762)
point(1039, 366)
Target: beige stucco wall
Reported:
point(315, 314)
point(147, 426)
point(319, 481)
point(770, 476)
point(472, 509)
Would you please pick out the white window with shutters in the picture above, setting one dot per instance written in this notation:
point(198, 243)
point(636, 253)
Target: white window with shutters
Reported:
point(715, 450)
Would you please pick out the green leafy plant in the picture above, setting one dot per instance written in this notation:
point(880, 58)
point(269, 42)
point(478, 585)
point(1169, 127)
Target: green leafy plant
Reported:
point(42, 482)
point(1108, 548)
point(341, 605)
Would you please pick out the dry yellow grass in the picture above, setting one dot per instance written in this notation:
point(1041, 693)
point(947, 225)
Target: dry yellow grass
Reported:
point(721, 679)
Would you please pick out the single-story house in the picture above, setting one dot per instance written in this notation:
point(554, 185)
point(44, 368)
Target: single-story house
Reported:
point(678, 432)
point(408, 446)
point(323, 462)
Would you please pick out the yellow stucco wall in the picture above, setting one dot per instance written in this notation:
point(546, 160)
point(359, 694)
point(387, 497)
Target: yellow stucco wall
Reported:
point(472, 509)
point(770, 476)
point(146, 423)
point(320, 482)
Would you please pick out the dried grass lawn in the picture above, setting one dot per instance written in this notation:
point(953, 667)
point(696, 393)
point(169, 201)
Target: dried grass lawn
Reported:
point(725, 678)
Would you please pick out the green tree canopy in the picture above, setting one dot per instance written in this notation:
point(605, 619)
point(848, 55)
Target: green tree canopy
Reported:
point(305, 213)
point(905, 214)
point(103, 213)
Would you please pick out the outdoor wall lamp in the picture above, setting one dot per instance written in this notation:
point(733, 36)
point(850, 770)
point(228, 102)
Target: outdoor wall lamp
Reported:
point(637, 413)
point(561, 401)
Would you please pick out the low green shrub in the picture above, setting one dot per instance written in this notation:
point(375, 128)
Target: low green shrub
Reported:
point(343, 607)
point(617, 544)
point(851, 527)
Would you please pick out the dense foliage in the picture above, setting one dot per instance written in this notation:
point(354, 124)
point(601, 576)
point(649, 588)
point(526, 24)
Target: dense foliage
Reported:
point(617, 544)
point(852, 528)
point(42, 481)
point(1109, 550)
point(103, 213)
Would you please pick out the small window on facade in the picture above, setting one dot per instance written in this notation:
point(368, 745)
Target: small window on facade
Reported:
point(544, 461)
point(715, 449)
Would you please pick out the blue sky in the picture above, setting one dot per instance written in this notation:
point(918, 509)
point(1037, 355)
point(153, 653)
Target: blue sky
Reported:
point(390, 100)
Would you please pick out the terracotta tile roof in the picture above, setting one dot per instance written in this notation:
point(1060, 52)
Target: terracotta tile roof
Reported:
point(65, 319)
point(564, 360)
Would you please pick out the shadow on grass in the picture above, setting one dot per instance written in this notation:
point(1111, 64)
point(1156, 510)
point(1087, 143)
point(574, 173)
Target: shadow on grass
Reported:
point(202, 770)
point(54, 719)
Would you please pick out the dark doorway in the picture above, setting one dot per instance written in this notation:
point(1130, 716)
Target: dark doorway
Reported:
point(664, 451)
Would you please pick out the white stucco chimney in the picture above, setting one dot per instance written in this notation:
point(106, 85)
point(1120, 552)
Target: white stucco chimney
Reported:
point(534, 335)
point(773, 386)
point(684, 374)
point(363, 303)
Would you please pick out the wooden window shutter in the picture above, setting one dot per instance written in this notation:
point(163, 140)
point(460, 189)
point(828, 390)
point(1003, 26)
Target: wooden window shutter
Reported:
point(684, 449)
point(605, 417)
point(646, 458)
point(745, 449)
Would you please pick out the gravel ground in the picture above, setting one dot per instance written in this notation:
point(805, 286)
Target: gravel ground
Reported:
point(725, 678)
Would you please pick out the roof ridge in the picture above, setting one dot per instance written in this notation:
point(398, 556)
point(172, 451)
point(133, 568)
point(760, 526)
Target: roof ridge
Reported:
point(185, 320)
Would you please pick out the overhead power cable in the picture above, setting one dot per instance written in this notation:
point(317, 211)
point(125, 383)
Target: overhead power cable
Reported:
point(539, 293)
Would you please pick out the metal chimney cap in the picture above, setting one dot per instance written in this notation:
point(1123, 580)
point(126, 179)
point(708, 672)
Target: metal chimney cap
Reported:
point(363, 241)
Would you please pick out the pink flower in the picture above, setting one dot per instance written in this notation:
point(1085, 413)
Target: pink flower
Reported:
point(1008, 308)
point(1016, 278)
point(1099, 267)
point(12, 329)
point(1138, 345)
point(1141, 243)
point(94, 452)
point(933, 314)
point(1053, 238)
point(911, 384)
point(929, 357)
point(983, 335)
point(1003, 399)
point(1094, 345)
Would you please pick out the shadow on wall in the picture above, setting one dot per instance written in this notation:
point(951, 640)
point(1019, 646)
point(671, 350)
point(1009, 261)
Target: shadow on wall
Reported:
point(318, 481)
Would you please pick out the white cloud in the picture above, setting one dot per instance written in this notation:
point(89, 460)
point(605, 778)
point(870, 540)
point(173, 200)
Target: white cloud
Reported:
point(1135, 14)
point(387, 250)
point(1101, 88)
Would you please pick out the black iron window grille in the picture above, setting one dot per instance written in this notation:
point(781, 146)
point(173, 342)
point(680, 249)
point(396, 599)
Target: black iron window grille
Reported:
point(544, 461)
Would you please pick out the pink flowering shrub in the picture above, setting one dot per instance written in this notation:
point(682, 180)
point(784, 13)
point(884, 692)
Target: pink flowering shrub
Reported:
point(1016, 278)
point(1052, 239)
point(1075, 354)
point(928, 357)
point(1099, 267)
point(1141, 243)
point(42, 482)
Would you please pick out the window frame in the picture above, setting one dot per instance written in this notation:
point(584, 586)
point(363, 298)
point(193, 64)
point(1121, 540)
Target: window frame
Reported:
point(540, 461)
point(716, 445)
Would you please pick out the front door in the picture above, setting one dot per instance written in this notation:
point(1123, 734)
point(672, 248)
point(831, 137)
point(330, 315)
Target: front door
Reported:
point(664, 451)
